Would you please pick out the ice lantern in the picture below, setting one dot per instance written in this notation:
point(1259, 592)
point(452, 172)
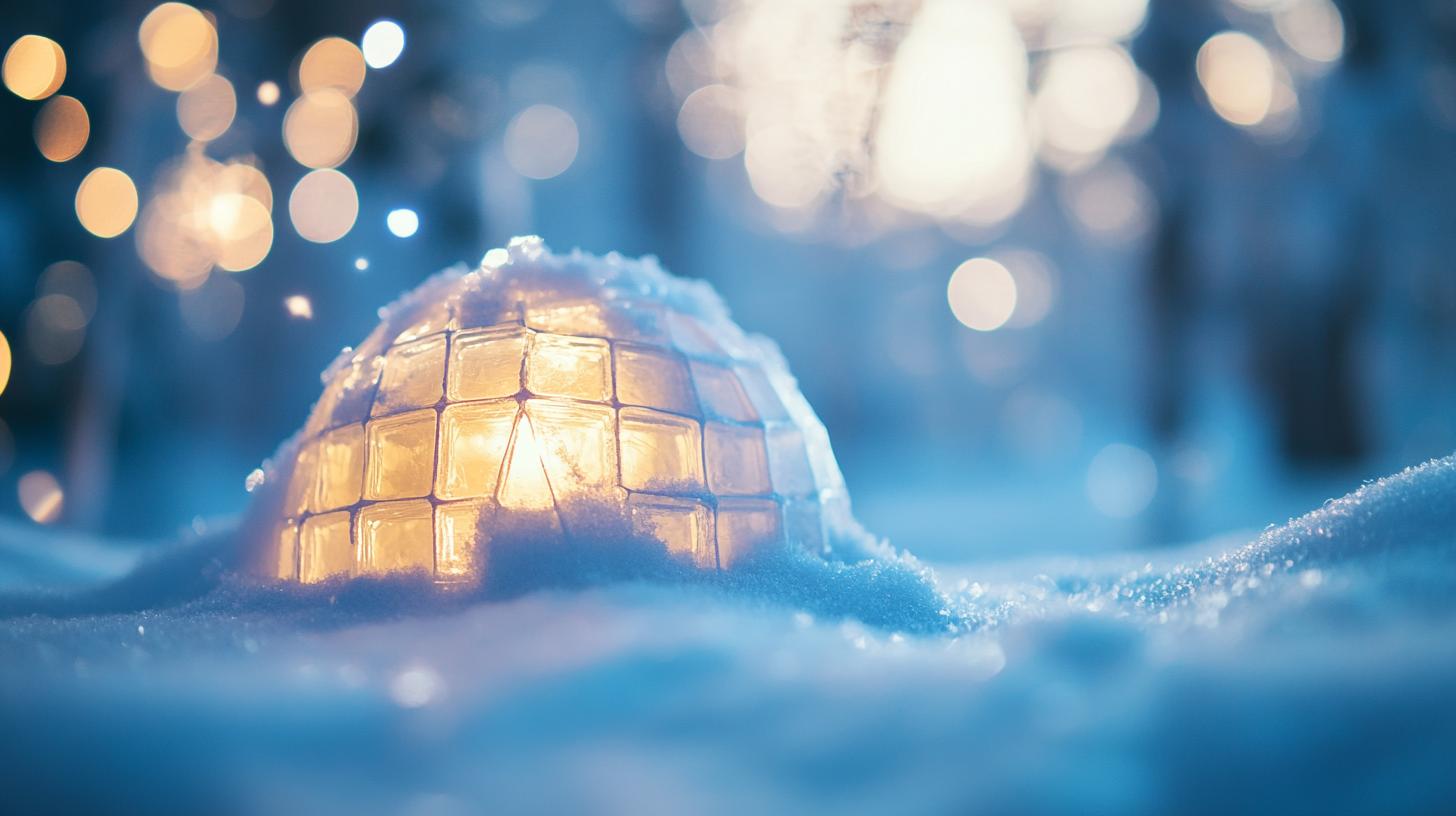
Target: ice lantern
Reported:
point(555, 391)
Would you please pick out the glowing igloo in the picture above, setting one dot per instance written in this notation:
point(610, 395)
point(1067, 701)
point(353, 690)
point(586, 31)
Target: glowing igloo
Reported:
point(553, 390)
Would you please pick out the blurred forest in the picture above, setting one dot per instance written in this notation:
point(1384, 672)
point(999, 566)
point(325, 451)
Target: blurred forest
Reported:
point(1057, 274)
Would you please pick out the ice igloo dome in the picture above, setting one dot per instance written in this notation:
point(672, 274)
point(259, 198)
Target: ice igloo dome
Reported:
point(556, 391)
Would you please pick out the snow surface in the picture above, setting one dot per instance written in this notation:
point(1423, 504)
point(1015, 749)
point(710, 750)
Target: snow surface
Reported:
point(1311, 669)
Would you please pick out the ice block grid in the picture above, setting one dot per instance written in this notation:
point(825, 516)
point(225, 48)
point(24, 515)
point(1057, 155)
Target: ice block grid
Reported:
point(554, 389)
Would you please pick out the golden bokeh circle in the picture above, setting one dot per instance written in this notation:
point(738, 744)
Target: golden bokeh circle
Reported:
point(320, 128)
point(206, 110)
point(106, 202)
point(332, 63)
point(62, 128)
point(35, 67)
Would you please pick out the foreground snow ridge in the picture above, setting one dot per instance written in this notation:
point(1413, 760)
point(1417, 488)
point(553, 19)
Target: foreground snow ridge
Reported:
point(1409, 515)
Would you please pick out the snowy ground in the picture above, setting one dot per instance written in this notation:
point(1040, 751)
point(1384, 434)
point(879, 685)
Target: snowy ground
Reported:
point(1310, 670)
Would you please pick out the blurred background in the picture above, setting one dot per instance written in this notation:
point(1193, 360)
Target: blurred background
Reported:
point(1058, 275)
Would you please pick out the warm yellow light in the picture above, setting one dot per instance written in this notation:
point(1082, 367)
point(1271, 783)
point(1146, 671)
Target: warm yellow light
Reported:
point(332, 63)
point(517, 398)
point(206, 214)
point(1237, 74)
point(41, 496)
point(106, 202)
point(320, 128)
point(982, 294)
point(541, 142)
point(206, 110)
point(298, 306)
point(35, 67)
point(62, 128)
point(179, 44)
point(5, 362)
point(323, 206)
point(244, 230)
point(268, 93)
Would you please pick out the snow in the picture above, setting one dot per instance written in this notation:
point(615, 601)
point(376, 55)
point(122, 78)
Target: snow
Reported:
point(1309, 669)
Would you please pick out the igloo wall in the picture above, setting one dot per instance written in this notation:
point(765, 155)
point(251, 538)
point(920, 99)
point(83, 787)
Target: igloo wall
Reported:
point(555, 393)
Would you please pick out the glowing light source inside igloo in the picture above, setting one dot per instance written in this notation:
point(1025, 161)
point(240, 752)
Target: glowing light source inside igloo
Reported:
point(556, 392)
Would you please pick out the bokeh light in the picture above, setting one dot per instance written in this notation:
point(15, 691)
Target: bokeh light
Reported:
point(213, 310)
point(71, 279)
point(383, 42)
point(206, 214)
point(206, 110)
point(1237, 74)
point(106, 202)
point(268, 93)
point(982, 294)
point(541, 142)
point(35, 67)
point(402, 222)
point(323, 206)
point(333, 64)
point(1312, 28)
point(40, 496)
point(62, 128)
point(298, 306)
point(179, 44)
point(6, 362)
point(1087, 96)
point(710, 122)
point(1121, 480)
point(320, 128)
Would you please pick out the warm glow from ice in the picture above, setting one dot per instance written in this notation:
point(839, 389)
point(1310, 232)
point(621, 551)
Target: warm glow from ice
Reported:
point(383, 43)
point(40, 496)
point(320, 128)
point(323, 206)
point(62, 128)
point(402, 222)
point(106, 202)
point(332, 63)
point(1313, 28)
point(268, 93)
point(982, 294)
point(533, 398)
point(206, 110)
point(299, 307)
point(541, 142)
point(179, 44)
point(35, 67)
point(1237, 74)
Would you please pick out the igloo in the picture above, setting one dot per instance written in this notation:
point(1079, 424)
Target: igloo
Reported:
point(554, 392)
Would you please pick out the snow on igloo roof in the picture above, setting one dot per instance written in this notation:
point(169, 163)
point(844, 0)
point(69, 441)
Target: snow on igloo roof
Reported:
point(551, 393)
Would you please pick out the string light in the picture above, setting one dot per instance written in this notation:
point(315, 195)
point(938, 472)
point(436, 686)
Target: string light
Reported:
point(35, 67)
point(403, 222)
point(383, 43)
point(62, 128)
point(323, 206)
point(106, 202)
